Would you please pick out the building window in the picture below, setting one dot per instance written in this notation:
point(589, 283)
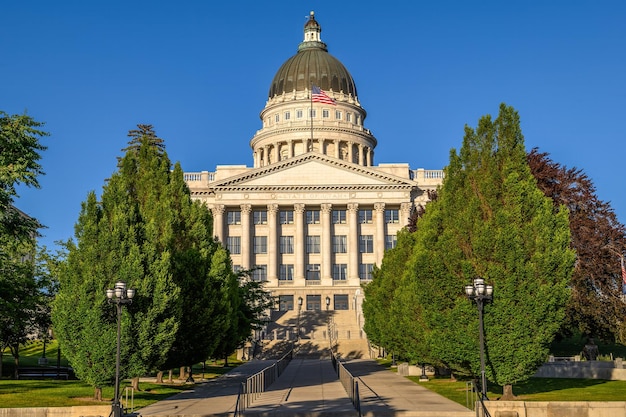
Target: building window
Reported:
point(237, 268)
point(259, 216)
point(390, 241)
point(339, 216)
point(338, 114)
point(286, 217)
point(312, 216)
point(259, 273)
point(341, 302)
point(312, 244)
point(286, 272)
point(358, 119)
point(365, 271)
point(366, 244)
point(233, 217)
point(314, 302)
point(287, 115)
point(348, 117)
point(340, 244)
point(286, 244)
point(392, 216)
point(313, 272)
point(233, 244)
point(277, 118)
point(340, 272)
point(365, 216)
point(299, 114)
point(325, 113)
point(285, 302)
point(260, 244)
point(313, 113)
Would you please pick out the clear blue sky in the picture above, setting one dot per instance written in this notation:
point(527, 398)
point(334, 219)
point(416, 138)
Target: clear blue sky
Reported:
point(200, 71)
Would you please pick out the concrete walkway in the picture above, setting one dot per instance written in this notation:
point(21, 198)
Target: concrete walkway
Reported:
point(385, 393)
point(215, 398)
point(310, 388)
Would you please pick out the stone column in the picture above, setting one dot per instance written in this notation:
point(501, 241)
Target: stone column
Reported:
point(290, 150)
point(246, 249)
point(368, 156)
point(351, 152)
point(272, 244)
point(379, 238)
point(353, 243)
point(337, 150)
point(405, 213)
point(299, 244)
point(218, 221)
point(360, 154)
point(326, 272)
point(266, 156)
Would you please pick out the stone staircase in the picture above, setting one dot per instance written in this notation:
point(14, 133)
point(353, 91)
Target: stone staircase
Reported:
point(319, 330)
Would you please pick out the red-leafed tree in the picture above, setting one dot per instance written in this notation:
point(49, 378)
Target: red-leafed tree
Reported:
point(596, 306)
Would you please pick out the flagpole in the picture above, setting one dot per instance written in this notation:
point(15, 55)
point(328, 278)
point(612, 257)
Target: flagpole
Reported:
point(311, 113)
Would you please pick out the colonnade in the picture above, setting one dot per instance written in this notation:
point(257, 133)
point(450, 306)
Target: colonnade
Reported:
point(300, 229)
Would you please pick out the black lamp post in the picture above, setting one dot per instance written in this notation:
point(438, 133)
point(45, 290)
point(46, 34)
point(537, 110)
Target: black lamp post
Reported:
point(119, 296)
point(327, 302)
point(481, 293)
point(299, 309)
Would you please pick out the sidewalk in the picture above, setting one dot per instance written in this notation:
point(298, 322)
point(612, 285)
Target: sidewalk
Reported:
point(214, 398)
point(308, 387)
point(385, 393)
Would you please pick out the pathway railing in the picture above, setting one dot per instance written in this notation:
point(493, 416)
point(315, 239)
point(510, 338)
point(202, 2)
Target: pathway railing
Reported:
point(349, 382)
point(252, 388)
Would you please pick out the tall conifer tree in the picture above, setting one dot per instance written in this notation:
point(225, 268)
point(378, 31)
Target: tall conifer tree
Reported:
point(491, 220)
point(145, 231)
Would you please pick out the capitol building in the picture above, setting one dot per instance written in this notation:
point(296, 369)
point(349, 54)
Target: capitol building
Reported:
point(314, 213)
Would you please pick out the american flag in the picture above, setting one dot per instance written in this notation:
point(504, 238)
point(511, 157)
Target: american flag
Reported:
point(319, 96)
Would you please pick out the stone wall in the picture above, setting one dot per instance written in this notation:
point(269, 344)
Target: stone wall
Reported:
point(556, 408)
point(610, 370)
point(79, 411)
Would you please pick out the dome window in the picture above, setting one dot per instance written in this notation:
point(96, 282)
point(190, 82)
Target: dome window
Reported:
point(299, 114)
point(325, 113)
point(338, 114)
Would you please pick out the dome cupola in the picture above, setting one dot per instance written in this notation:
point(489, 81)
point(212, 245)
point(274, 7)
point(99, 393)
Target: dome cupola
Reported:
point(293, 123)
point(312, 65)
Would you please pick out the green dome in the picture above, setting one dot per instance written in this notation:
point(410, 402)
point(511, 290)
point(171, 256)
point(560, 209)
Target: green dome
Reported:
point(312, 65)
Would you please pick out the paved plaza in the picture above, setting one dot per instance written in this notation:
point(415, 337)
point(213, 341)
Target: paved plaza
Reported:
point(310, 387)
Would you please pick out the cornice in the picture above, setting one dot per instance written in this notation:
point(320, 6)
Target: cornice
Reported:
point(236, 180)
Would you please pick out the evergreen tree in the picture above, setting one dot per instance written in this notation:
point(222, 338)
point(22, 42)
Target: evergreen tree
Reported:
point(382, 301)
point(491, 220)
point(147, 232)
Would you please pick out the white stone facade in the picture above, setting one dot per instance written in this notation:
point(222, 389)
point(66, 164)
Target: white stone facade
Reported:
point(313, 215)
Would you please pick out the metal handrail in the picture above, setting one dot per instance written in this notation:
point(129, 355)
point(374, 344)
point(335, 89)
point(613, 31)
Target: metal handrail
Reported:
point(349, 382)
point(256, 384)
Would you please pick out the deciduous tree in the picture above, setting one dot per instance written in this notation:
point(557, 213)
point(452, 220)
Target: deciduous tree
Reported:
point(596, 307)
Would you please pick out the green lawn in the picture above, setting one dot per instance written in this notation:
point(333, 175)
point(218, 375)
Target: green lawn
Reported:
point(61, 393)
point(536, 389)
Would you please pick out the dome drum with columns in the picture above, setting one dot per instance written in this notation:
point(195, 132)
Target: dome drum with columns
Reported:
point(313, 215)
point(293, 124)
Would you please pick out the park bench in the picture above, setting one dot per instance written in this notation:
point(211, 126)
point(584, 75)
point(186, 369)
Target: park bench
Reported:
point(38, 372)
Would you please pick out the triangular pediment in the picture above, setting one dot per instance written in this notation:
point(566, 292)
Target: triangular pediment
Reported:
point(313, 170)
